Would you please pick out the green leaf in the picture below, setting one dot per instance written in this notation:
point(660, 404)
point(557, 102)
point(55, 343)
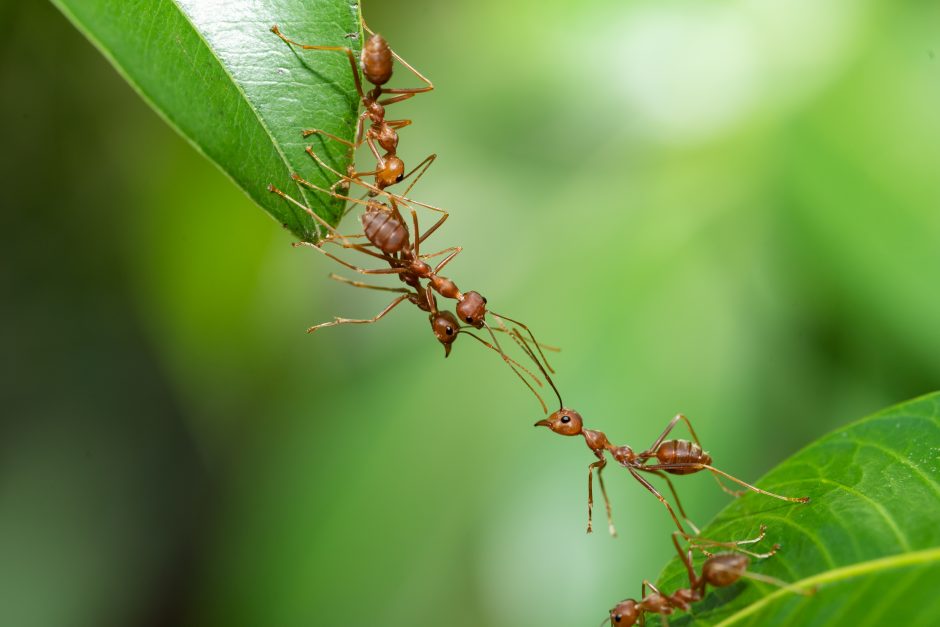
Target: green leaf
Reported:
point(218, 75)
point(869, 539)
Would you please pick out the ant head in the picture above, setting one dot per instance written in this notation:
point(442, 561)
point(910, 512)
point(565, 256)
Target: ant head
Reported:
point(626, 613)
point(472, 309)
point(445, 327)
point(563, 422)
point(724, 569)
point(392, 172)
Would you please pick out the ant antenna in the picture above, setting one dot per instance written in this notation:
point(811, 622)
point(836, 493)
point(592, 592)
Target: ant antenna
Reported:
point(525, 346)
point(490, 346)
point(538, 346)
point(510, 362)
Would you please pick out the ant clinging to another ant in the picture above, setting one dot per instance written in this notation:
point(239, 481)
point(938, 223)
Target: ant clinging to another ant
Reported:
point(718, 571)
point(676, 457)
point(386, 231)
point(376, 65)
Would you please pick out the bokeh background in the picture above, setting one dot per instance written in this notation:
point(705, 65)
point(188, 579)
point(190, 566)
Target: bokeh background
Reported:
point(729, 209)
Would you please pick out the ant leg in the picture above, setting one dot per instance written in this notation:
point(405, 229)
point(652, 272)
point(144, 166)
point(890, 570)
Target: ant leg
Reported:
point(735, 545)
point(372, 188)
point(375, 318)
point(398, 124)
point(610, 515)
point(442, 252)
point(696, 467)
point(423, 166)
point(360, 247)
point(344, 49)
point(434, 226)
point(447, 259)
point(349, 206)
point(342, 279)
point(309, 185)
point(686, 557)
point(317, 131)
point(675, 495)
point(317, 219)
point(662, 499)
point(792, 499)
point(371, 143)
point(735, 493)
point(651, 451)
point(349, 265)
point(412, 90)
point(600, 467)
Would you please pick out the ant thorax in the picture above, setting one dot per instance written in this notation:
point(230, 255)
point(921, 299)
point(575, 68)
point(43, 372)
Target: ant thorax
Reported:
point(596, 440)
point(624, 455)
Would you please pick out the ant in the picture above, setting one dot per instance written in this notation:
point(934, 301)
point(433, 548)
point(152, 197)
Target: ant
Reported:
point(375, 62)
point(677, 457)
point(719, 571)
point(386, 230)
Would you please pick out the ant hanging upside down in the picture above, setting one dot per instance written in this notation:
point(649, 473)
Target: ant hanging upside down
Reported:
point(385, 229)
point(719, 571)
point(676, 457)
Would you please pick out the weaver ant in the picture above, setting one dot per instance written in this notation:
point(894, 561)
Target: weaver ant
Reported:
point(386, 230)
point(677, 457)
point(375, 62)
point(719, 571)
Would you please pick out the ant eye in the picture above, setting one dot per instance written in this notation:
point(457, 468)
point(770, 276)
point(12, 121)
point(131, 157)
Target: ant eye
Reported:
point(469, 319)
point(617, 618)
point(450, 330)
point(566, 419)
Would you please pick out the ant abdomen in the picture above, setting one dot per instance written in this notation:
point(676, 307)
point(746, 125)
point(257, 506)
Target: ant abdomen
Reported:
point(724, 569)
point(377, 60)
point(385, 230)
point(682, 452)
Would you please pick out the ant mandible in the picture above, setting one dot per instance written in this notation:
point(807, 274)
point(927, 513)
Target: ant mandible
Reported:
point(677, 457)
point(719, 571)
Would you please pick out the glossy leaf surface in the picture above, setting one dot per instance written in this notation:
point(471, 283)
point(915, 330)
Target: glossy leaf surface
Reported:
point(869, 539)
point(239, 94)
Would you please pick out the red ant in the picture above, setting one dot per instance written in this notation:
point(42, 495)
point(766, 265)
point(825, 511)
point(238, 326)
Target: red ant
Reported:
point(677, 457)
point(385, 229)
point(375, 62)
point(719, 571)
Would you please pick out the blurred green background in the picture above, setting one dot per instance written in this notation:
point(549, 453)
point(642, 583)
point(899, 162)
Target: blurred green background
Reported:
point(727, 209)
